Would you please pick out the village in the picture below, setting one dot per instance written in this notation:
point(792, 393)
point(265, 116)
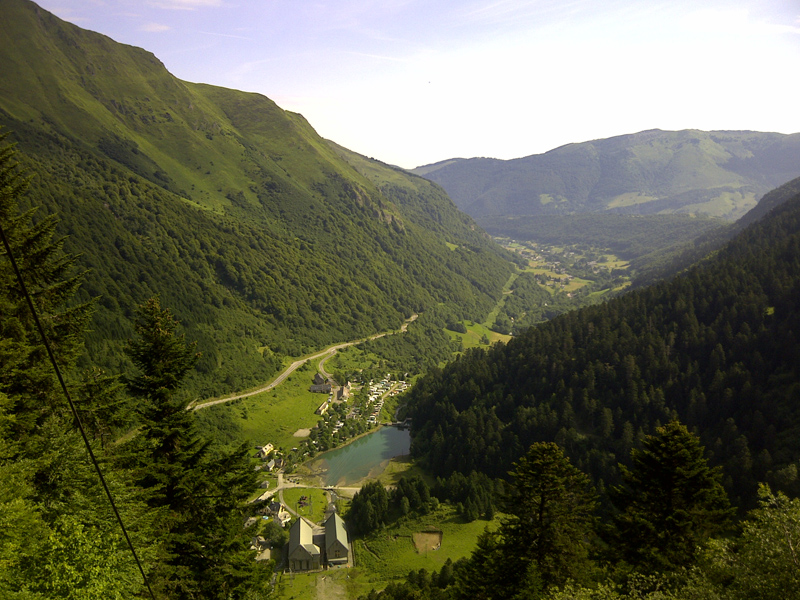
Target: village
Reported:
point(564, 268)
point(348, 411)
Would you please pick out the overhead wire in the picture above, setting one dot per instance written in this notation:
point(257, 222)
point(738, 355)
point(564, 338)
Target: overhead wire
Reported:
point(72, 406)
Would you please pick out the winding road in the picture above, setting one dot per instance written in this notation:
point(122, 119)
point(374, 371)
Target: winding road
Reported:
point(327, 353)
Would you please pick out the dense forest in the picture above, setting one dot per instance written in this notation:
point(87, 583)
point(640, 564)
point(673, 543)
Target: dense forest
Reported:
point(671, 534)
point(86, 512)
point(715, 347)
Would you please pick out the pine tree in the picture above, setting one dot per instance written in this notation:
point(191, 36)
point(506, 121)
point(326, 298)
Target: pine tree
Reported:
point(369, 508)
point(551, 515)
point(26, 374)
point(477, 576)
point(670, 501)
point(59, 537)
point(199, 492)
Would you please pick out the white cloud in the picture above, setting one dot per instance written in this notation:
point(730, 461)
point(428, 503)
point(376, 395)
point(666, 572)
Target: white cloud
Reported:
point(155, 27)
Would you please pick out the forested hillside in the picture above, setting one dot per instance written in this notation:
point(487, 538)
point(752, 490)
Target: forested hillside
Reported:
point(260, 236)
point(716, 347)
point(88, 512)
point(715, 173)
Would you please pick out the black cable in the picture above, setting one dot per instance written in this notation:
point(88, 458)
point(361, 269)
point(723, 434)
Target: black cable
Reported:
point(72, 406)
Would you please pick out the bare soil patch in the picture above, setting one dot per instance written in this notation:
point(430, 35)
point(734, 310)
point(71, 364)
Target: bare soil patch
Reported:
point(425, 541)
point(329, 588)
point(302, 433)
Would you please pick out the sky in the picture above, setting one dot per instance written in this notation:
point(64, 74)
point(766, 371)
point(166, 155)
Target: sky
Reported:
point(413, 82)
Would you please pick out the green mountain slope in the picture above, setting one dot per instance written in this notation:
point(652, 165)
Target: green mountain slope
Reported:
point(259, 235)
point(717, 347)
point(715, 173)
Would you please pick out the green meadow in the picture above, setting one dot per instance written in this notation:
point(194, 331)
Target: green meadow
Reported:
point(275, 416)
point(316, 502)
point(387, 556)
point(475, 332)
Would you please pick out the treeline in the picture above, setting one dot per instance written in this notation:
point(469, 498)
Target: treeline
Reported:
point(373, 507)
point(474, 496)
point(670, 535)
point(530, 303)
point(716, 347)
point(178, 500)
point(423, 346)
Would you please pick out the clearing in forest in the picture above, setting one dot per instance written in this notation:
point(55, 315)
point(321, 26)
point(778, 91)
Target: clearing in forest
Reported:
point(425, 541)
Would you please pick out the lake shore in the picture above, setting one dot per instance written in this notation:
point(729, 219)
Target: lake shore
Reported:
point(358, 460)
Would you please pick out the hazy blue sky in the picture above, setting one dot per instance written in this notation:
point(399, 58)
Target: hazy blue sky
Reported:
point(412, 82)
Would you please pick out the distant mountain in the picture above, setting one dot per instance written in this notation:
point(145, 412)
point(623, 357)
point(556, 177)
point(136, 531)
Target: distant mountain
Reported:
point(262, 237)
point(713, 173)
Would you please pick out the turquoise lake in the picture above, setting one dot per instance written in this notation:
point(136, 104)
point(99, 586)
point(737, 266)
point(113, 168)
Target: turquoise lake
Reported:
point(366, 457)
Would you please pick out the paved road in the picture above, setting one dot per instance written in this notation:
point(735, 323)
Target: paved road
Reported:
point(327, 353)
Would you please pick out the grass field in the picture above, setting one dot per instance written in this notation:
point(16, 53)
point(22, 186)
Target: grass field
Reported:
point(315, 509)
point(475, 331)
point(275, 415)
point(387, 556)
point(327, 585)
point(403, 466)
point(492, 316)
point(353, 359)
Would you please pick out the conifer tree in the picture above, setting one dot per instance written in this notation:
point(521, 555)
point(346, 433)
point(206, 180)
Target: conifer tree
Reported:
point(26, 374)
point(551, 507)
point(59, 536)
point(200, 494)
point(670, 501)
point(368, 509)
point(477, 576)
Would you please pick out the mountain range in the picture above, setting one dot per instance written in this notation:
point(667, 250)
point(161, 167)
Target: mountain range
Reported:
point(264, 239)
point(712, 173)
